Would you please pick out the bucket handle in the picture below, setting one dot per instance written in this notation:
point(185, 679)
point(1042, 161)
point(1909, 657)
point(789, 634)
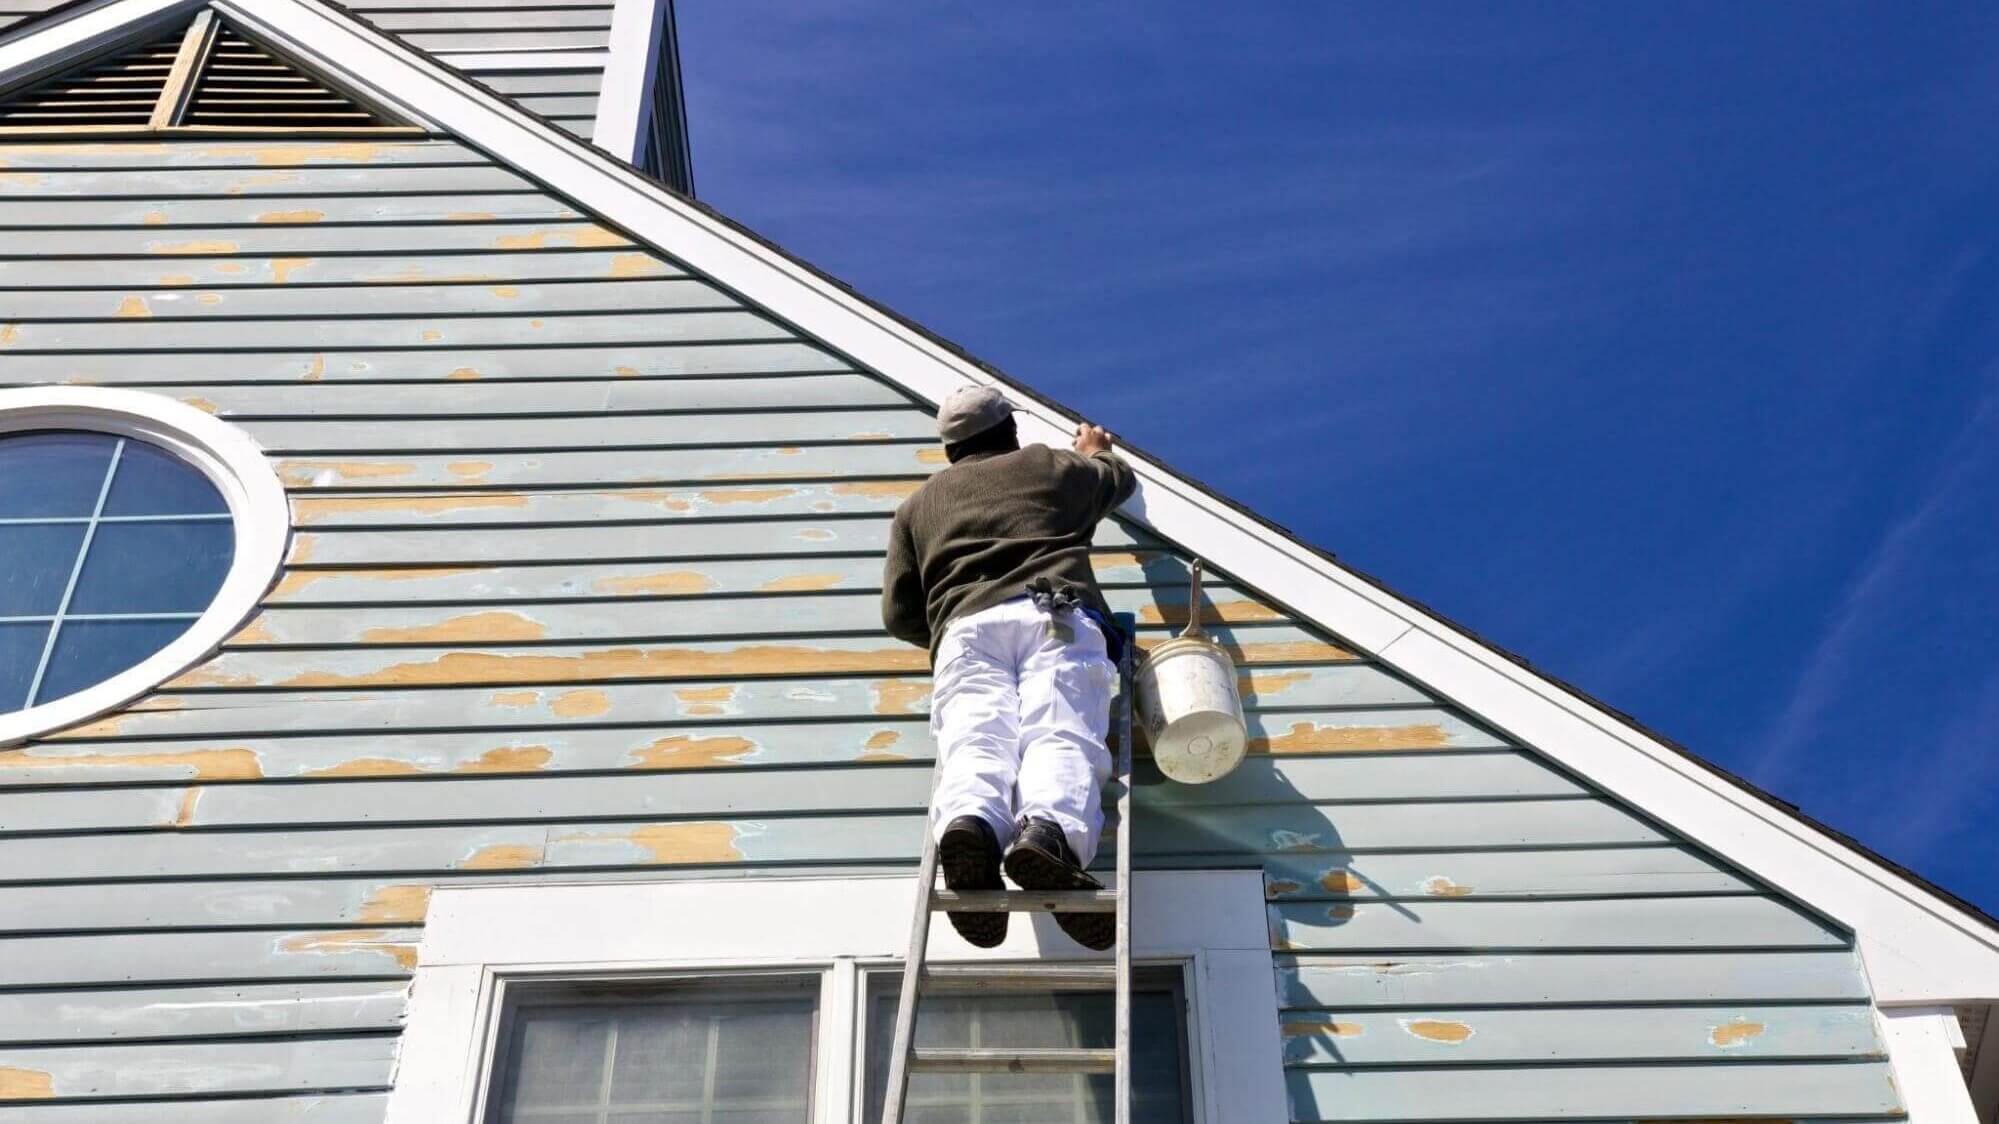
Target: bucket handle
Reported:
point(1193, 629)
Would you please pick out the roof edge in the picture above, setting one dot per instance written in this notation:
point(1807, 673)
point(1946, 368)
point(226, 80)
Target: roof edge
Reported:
point(1920, 944)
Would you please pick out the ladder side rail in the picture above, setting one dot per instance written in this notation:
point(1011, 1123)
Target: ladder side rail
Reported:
point(897, 1091)
point(1126, 837)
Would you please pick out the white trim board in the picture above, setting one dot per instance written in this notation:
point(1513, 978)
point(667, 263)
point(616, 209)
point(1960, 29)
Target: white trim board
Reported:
point(1918, 946)
point(625, 100)
point(1985, 1071)
point(477, 939)
point(1922, 1044)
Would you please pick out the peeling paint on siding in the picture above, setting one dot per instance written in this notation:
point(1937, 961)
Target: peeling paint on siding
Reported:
point(25, 1084)
point(396, 905)
point(233, 764)
point(691, 751)
point(588, 703)
point(673, 844)
point(662, 582)
point(1731, 1035)
point(491, 627)
point(368, 940)
point(896, 696)
point(1309, 737)
point(607, 663)
point(503, 856)
point(1438, 1030)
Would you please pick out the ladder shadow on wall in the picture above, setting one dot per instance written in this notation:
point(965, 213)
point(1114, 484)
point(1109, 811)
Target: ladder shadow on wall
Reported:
point(1254, 819)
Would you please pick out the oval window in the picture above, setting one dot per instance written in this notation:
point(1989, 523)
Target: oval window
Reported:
point(113, 548)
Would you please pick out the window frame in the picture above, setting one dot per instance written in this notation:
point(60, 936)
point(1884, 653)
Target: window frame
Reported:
point(481, 939)
point(259, 514)
point(1174, 973)
point(518, 993)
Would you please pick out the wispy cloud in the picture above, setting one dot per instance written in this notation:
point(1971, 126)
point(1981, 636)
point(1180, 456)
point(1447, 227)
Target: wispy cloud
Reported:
point(1938, 761)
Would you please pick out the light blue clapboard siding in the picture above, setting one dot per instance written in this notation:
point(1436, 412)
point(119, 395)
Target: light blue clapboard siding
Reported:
point(560, 44)
point(306, 1108)
point(583, 585)
point(567, 97)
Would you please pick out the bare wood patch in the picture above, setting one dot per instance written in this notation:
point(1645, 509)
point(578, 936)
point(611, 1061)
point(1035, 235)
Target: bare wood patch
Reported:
point(660, 582)
point(490, 627)
point(370, 940)
point(18, 1084)
point(1438, 1030)
point(673, 844)
point(396, 905)
point(231, 764)
point(692, 752)
point(1310, 737)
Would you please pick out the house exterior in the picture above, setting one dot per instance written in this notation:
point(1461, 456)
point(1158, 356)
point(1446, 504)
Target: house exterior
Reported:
point(530, 749)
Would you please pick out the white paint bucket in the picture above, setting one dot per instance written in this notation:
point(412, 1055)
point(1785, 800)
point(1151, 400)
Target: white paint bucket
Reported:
point(1193, 717)
point(1187, 699)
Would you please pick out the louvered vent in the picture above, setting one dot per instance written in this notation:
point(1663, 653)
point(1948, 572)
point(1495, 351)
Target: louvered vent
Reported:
point(243, 84)
point(117, 90)
point(205, 77)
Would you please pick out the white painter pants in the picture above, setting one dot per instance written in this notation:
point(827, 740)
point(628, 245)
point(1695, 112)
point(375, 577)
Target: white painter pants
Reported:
point(1019, 706)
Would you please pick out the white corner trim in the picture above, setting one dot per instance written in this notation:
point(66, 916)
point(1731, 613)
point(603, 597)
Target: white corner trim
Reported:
point(479, 937)
point(1985, 1071)
point(1921, 1049)
point(238, 469)
point(624, 104)
point(1920, 947)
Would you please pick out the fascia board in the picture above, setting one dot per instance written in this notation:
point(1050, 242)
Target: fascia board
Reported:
point(1919, 947)
point(64, 41)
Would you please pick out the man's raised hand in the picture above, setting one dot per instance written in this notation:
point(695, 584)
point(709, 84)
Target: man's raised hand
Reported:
point(1091, 439)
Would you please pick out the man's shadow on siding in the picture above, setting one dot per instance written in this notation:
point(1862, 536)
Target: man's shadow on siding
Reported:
point(1256, 818)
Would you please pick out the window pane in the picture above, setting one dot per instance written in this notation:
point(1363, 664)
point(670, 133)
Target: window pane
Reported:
point(89, 652)
point(687, 1054)
point(20, 651)
point(1050, 1019)
point(170, 567)
point(52, 474)
point(152, 481)
point(662, 1056)
point(35, 561)
point(560, 1057)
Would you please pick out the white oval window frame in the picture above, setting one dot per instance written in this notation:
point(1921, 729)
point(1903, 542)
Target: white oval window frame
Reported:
point(237, 467)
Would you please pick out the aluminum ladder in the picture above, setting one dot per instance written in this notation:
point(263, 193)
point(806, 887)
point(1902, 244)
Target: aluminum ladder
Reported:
point(905, 1059)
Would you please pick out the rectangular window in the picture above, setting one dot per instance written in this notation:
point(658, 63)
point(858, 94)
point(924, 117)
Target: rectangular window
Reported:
point(972, 1014)
point(671, 1002)
point(722, 1050)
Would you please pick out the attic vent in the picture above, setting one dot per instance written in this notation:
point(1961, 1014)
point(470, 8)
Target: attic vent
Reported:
point(207, 77)
point(243, 84)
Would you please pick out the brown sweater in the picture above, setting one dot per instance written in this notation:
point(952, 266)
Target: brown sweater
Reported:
point(976, 533)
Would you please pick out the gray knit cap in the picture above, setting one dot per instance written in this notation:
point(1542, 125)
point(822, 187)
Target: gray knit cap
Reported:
point(970, 411)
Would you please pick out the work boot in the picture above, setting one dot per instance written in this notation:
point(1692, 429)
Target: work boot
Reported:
point(970, 856)
point(1041, 860)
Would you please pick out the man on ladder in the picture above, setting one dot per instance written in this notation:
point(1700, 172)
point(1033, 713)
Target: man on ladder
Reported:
point(989, 568)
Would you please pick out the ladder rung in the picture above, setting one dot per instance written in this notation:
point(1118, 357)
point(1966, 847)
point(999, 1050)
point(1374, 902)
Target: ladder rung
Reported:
point(975, 977)
point(1024, 901)
point(1073, 1060)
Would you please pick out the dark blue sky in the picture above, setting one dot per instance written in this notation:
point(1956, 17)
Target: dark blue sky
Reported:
point(1655, 342)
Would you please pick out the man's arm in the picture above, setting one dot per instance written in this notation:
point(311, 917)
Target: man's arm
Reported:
point(1115, 479)
point(904, 611)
